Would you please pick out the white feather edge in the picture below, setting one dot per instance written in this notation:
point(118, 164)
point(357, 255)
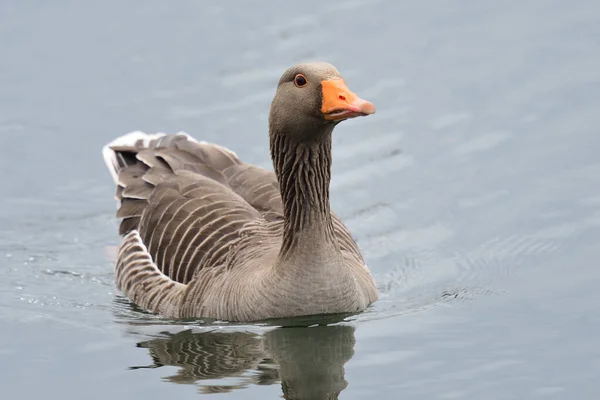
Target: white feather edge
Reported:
point(138, 240)
point(129, 139)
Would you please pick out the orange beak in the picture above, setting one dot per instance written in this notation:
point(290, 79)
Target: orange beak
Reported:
point(339, 103)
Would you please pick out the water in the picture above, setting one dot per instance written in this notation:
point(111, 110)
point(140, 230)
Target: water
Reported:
point(473, 194)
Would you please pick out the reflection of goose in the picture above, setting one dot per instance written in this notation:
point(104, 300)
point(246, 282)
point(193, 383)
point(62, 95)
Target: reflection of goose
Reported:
point(206, 235)
point(309, 362)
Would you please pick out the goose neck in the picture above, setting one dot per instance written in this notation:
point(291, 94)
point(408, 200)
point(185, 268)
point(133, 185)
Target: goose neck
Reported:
point(303, 170)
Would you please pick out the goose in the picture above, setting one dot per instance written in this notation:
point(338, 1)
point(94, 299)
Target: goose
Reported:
point(206, 235)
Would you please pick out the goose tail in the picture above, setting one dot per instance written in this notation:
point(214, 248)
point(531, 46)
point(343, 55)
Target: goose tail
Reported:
point(116, 160)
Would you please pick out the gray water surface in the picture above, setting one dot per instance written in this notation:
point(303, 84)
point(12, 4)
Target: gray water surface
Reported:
point(473, 193)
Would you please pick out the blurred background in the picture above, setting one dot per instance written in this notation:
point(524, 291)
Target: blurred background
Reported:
point(473, 194)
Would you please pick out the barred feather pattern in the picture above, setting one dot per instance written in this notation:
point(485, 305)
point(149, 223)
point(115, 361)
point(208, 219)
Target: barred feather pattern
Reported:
point(139, 278)
point(202, 233)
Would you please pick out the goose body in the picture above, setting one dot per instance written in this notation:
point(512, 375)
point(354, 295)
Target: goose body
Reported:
point(206, 235)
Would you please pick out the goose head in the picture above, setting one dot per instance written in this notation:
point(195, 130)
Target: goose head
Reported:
point(312, 98)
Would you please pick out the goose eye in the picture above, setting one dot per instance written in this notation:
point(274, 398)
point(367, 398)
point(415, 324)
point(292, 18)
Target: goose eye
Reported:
point(300, 80)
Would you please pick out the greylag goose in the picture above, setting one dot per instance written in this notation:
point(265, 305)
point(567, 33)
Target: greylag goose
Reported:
point(205, 235)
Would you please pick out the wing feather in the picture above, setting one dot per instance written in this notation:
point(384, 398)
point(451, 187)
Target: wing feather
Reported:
point(189, 201)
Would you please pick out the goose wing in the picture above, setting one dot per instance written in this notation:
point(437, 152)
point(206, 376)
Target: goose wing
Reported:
point(187, 200)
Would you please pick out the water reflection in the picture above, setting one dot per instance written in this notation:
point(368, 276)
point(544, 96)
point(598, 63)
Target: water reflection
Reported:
point(307, 361)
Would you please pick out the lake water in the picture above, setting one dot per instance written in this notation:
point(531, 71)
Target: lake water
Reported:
point(473, 193)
